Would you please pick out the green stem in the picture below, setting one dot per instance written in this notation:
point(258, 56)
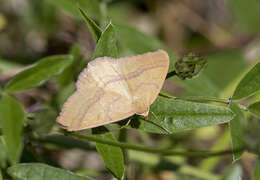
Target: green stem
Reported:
point(165, 94)
point(164, 152)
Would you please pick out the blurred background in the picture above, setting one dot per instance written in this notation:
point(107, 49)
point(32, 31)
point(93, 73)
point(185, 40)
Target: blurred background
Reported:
point(226, 32)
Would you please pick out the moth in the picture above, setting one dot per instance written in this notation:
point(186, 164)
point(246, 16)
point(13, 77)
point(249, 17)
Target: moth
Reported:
point(109, 90)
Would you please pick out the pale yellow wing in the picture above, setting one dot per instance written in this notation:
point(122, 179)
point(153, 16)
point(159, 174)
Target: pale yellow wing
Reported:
point(102, 97)
point(145, 75)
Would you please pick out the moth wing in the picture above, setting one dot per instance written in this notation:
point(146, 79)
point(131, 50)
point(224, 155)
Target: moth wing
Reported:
point(101, 97)
point(145, 75)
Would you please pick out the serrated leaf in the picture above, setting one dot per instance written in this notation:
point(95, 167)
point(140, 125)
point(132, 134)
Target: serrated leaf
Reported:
point(137, 42)
point(71, 6)
point(12, 118)
point(236, 127)
point(93, 27)
point(249, 84)
point(178, 115)
point(38, 171)
point(112, 156)
point(255, 109)
point(39, 73)
point(257, 171)
point(106, 45)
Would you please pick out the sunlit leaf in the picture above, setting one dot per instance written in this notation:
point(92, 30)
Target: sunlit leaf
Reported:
point(12, 118)
point(178, 115)
point(39, 73)
point(236, 126)
point(33, 171)
point(249, 84)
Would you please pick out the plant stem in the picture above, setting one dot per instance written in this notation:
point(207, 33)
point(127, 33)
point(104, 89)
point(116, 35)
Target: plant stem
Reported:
point(164, 152)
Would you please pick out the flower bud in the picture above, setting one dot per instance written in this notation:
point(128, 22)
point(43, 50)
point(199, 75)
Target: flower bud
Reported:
point(189, 66)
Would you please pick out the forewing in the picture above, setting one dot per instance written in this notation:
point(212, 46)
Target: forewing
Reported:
point(145, 75)
point(101, 97)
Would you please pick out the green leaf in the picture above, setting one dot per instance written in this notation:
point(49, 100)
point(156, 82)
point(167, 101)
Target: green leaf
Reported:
point(93, 27)
point(71, 72)
point(64, 94)
point(3, 154)
point(12, 118)
point(178, 115)
point(257, 171)
point(249, 84)
point(236, 127)
point(38, 171)
point(71, 6)
point(112, 156)
point(39, 73)
point(255, 108)
point(134, 41)
point(43, 121)
point(106, 45)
